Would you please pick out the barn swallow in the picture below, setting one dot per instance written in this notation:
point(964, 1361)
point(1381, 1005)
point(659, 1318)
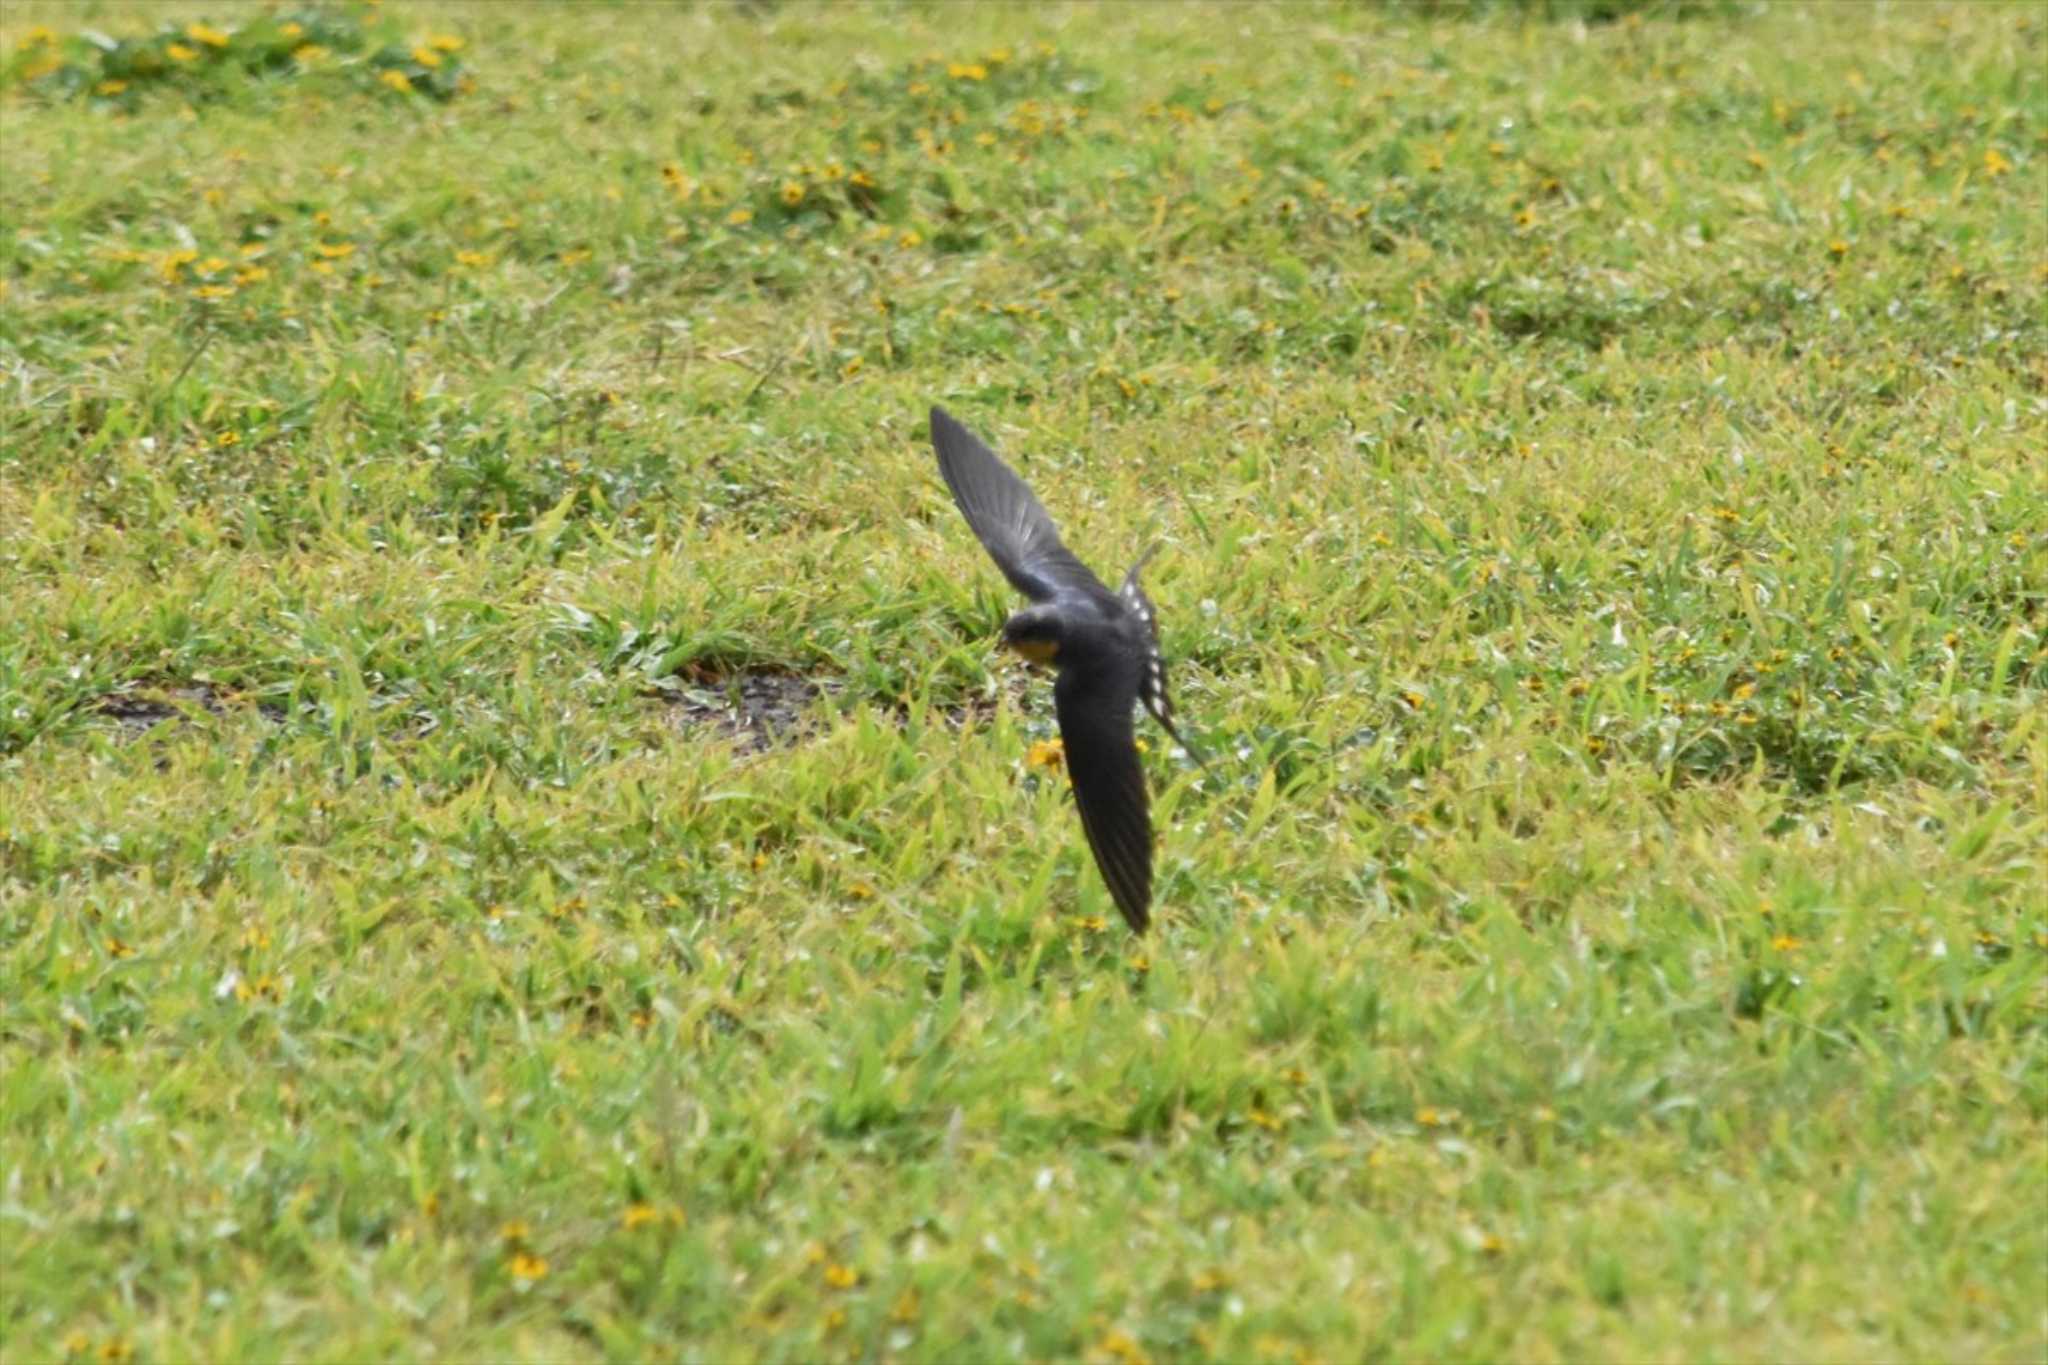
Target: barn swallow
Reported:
point(1102, 645)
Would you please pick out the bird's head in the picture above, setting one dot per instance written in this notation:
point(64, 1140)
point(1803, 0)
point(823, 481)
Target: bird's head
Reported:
point(1034, 633)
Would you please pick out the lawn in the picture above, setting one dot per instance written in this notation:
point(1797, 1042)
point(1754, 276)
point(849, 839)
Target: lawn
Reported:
point(516, 843)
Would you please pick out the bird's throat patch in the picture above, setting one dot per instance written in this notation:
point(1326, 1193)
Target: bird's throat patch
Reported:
point(1037, 651)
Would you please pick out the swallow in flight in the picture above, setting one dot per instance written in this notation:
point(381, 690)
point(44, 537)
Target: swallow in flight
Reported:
point(1103, 646)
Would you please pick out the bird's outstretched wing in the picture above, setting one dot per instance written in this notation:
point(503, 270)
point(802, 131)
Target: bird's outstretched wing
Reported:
point(1094, 708)
point(1011, 523)
point(1152, 682)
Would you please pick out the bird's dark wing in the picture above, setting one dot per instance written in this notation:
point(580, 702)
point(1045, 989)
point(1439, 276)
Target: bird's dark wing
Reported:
point(1019, 536)
point(1152, 682)
point(1094, 707)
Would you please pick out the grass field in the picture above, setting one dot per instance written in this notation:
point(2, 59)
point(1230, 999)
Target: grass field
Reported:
point(515, 843)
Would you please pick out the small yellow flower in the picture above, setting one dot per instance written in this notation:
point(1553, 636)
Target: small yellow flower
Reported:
point(291, 28)
point(178, 52)
point(861, 891)
point(42, 35)
point(638, 1216)
point(475, 260)
point(1838, 247)
point(739, 217)
point(402, 83)
point(308, 54)
point(119, 948)
point(1744, 691)
point(527, 1266)
point(110, 87)
point(515, 1231)
point(214, 291)
point(1092, 924)
point(445, 42)
point(967, 71)
point(1785, 943)
point(1121, 1347)
point(200, 33)
point(250, 274)
point(792, 193)
point(839, 1276)
point(115, 1351)
point(1429, 1116)
point(911, 237)
point(426, 56)
point(1995, 163)
point(851, 368)
point(334, 251)
point(1045, 753)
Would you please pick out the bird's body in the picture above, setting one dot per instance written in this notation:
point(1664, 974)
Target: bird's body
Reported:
point(1103, 644)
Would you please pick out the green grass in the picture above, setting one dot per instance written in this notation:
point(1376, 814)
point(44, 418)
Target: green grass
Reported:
point(1600, 466)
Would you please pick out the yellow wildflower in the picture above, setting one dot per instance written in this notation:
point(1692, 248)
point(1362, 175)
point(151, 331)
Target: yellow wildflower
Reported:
point(444, 42)
point(178, 52)
point(228, 439)
point(426, 56)
point(739, 217)
point(334, 251)
point(1995, 163)
point(308, 54)
point(110, 87)
point(402, 83)
point(1121, 1347)
point(967, 71)
point(792, 193)
point(638, 1216)
point(912, 237)
point(200, 33)
point(475, 260)
point(1045, 753)
point(841, 1276)
point(527, 1266)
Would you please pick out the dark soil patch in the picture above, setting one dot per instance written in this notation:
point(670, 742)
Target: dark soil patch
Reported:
point(763, 709)
point(755, 710)
point(140, 707)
